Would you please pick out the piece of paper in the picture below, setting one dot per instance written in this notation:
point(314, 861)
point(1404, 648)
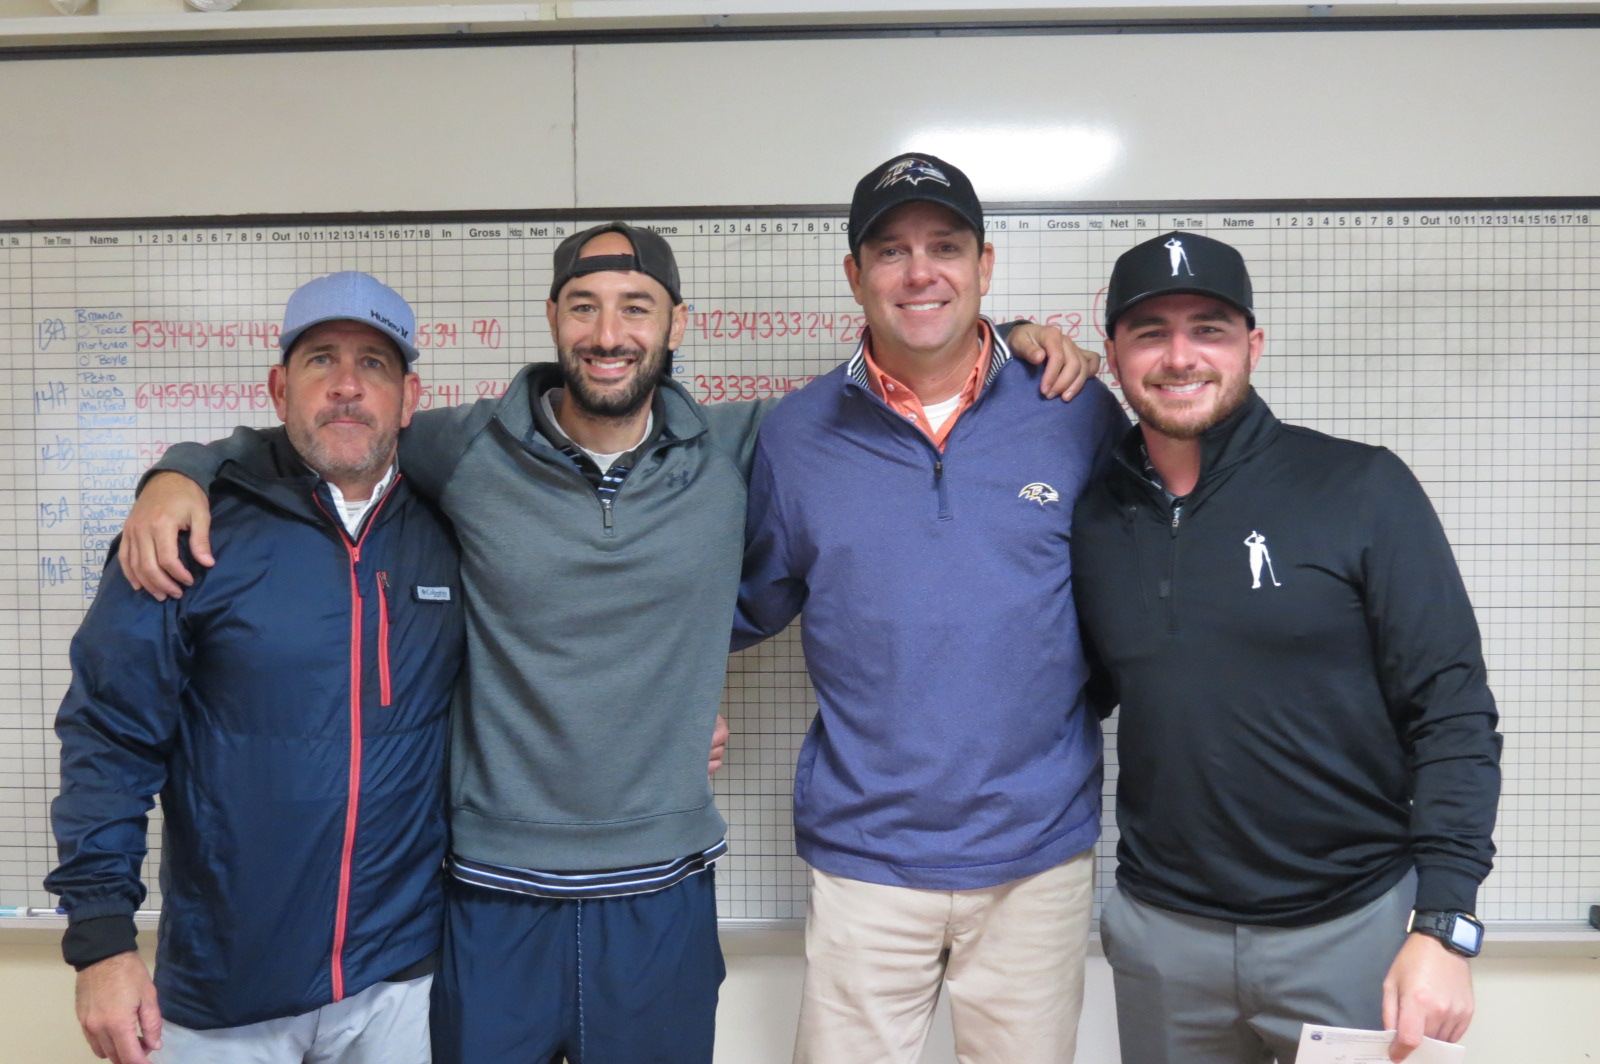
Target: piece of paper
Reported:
point(1346, 1045)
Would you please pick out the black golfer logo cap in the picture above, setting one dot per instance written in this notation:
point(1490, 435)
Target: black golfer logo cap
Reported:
point(1179, 262)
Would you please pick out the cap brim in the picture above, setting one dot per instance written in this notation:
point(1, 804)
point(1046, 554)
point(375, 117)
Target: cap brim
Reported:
point(286, 341)
point(1178, 290)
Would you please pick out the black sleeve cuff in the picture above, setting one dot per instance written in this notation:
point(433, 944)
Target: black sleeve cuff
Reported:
point(90, 941)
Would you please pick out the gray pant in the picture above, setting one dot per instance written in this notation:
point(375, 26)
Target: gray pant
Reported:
point(1197, 991)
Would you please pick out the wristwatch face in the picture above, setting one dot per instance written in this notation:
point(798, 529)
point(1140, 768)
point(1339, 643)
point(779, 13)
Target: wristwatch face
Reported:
point(1458, 931)
point(1466, 935)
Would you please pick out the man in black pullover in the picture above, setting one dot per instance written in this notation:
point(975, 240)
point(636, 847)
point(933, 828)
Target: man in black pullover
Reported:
point(1308, 763)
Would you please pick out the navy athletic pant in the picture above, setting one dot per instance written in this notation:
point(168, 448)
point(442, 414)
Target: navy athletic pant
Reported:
point(629, 980)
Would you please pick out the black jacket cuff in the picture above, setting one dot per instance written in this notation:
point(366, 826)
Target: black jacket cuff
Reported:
point(90, 941)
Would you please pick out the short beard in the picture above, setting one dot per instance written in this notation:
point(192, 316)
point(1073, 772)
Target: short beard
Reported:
point(332, 468)
point(1155, 419)
point(613, 405)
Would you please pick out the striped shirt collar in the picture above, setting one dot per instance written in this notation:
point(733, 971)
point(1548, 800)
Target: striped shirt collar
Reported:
point(999, 355)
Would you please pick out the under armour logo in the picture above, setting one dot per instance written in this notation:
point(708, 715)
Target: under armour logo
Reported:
point(1040, 493)
point(1179, 257)
point(1259, 555)
point(678, 478)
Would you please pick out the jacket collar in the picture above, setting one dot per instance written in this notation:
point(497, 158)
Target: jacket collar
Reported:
point(677, 415)
point(1236, 438)
point(278, 475)
point(999, 355)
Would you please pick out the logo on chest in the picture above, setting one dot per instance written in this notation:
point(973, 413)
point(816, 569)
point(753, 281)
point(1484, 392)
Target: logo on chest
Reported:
point(1040, 493)
point(678, 479)
point(1260, 558)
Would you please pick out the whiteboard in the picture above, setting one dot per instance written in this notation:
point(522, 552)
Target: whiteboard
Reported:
point(1466, 339)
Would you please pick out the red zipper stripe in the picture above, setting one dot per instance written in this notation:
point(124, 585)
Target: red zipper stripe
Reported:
point(383, 639)
point(341, 914)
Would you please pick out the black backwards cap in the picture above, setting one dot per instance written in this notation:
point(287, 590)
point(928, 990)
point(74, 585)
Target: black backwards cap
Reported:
point(1178, 262)
point(652, 256)
point(907, 178)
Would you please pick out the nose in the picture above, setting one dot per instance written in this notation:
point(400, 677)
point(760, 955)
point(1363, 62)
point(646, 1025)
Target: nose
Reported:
point(345, 384)
point(608, 329)
point(1182, 353)
point(919, 269)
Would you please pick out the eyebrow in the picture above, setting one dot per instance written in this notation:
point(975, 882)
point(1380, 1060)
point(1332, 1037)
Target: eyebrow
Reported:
point(889, 236)
point(1135, 321)
point(584, 293)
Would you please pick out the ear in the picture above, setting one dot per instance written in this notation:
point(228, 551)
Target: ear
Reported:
point(985, 268)
point(550, 316)
point(410, 397)
point(1258, 344)
point(1111, 361)
point(852, 274)
point(680, 322)
point(278, 386)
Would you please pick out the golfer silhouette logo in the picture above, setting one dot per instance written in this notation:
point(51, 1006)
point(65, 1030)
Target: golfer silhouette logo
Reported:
point(1179, 257)
point(1259, 555)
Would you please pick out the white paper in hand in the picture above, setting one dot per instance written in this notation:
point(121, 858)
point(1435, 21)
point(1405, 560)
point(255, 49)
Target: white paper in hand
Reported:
point(1345, 1045)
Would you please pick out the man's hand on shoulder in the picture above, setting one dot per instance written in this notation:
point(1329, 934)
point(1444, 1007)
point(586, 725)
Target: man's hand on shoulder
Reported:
point(117, 1009)
point(169, 504)
point(1066, 365)
point(1428, 991)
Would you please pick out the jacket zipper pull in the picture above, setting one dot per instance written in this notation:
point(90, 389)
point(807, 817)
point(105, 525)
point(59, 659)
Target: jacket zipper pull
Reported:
point(605, 509)
point(938, 470)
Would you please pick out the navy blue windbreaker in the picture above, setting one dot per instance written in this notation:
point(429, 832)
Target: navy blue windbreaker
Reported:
point(290, 710)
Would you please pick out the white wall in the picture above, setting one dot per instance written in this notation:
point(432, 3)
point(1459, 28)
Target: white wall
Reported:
point(1192, 116)
point(1166, 117)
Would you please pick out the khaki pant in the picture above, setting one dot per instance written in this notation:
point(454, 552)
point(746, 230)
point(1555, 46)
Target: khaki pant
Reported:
point(1011, 956)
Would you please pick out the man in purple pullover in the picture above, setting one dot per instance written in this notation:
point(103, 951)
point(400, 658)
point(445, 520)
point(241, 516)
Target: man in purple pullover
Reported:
point(947, 795)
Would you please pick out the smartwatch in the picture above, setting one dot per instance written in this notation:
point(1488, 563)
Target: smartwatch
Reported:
point(1460, 932)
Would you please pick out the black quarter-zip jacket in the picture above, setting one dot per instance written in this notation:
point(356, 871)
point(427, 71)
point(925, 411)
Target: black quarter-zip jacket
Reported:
point(1305, 713)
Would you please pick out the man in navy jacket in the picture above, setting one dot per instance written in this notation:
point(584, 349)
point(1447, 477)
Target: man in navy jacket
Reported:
point(1307, 761)
point(291, 712)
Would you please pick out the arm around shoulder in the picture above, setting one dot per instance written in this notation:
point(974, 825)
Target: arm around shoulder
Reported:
point(433, 444)
point(735, 428)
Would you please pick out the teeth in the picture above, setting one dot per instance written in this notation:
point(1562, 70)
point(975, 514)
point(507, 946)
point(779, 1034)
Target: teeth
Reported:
point(922, 306)
point(616, 363)
point(1183, 389)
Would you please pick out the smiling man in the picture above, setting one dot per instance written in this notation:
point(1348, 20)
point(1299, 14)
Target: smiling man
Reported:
point(291, 713)
point(1307, 761)
point(915, 505)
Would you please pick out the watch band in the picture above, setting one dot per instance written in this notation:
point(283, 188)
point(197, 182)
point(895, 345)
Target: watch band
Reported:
point(1460, 932)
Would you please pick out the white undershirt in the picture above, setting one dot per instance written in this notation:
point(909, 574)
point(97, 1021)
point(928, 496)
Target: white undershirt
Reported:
point(604, 461)
point(352, 513)
point(939, 413)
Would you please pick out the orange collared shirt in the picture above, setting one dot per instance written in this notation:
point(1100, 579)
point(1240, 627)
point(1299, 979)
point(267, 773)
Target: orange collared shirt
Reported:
point(903, 401)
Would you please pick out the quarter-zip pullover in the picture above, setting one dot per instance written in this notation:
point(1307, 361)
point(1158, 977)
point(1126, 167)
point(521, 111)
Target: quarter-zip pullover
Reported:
point(1305, 714)
point(952, 748)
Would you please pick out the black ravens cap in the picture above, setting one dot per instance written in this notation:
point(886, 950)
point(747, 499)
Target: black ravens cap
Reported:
point(1178, 262)
point(652, 256)
point(904, 179)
